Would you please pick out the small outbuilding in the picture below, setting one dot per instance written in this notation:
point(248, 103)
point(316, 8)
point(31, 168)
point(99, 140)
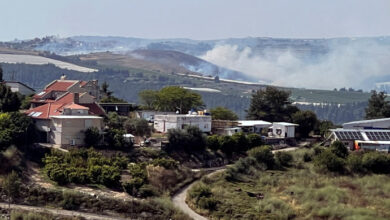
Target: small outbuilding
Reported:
point(282, 130)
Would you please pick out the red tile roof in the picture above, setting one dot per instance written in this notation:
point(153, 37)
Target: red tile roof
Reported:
point(60, 85)
point(44, 111)
point(75, 106)
point(94, 109)
point(66, 98)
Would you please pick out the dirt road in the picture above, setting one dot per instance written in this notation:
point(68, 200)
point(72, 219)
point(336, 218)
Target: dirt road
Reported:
point(179, 200)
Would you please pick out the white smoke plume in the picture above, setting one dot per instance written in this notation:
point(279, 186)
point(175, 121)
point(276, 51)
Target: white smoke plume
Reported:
point(354, 64)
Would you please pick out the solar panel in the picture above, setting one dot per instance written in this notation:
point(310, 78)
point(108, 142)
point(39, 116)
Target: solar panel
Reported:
point(349, 135)
point(378, 135)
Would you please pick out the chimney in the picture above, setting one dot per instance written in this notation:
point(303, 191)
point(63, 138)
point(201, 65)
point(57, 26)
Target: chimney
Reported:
point(63, 77)
point(76, 98)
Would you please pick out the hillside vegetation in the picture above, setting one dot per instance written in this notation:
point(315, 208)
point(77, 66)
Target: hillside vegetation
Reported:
point(291, 186)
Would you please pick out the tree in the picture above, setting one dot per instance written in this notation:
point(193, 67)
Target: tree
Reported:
point(92, 137)
point(108, 97)
point(172, 98)
point(9, 101)
point(221, 113)
point(148, 98)
point(254, 140)
point(105, 90)
point(377, 107)
point(138, 126)
point(307, 121)
point(271, 104)
point(114, 120)
point(324, 126)
point(15, 128)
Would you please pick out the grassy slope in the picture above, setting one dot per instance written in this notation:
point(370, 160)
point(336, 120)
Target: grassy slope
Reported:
point(302, 193)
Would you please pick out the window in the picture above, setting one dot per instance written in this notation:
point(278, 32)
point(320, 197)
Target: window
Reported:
point(88, 123)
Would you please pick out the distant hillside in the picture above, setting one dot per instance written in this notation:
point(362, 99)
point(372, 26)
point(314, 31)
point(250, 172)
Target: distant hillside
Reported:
point(163, 61)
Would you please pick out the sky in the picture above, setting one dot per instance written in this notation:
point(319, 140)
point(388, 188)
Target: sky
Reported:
point(195, 19)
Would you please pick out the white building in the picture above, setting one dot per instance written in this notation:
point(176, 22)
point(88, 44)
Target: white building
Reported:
point(381, 123)
point(253, 126)
point(149, 114)
point(162, 123)
point(283, 130)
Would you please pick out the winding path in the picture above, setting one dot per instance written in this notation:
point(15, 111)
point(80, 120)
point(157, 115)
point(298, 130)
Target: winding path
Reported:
point(88, 216)
point(179, 199)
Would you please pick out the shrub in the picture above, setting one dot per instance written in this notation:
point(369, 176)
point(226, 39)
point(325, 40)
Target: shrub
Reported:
point(307, 157)
point(190, 139)
point(147, 191)
point(69, 201)
point(92, 137)
point(227, 143)
point(355, 163)
point(376, 162)
point(318, 150)
point(132, 186)
point(241, 142)
point(339, 149)
point(167, 163)
point(198, 191)
point(284, 158)
point(254, 140)
point(207, 203)
point(264, 155)
point(212, 142)
point(329, 161)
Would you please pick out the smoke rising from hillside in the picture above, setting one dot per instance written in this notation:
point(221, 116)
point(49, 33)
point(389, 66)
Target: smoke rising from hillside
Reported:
point(353, 64)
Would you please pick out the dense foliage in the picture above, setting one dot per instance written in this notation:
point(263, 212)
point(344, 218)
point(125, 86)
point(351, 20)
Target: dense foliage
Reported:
point(9, 101)
point(378, 106)
point(307, 121)
point(171, 98)
point(15, 129)
point(187, 139)
point(84, 167)
point(238, 142)
point(92, 137)
point(138, 127)
point(271, 104)
point(222, 113)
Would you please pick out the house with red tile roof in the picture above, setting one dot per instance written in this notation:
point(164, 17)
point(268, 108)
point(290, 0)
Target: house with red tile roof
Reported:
point(64, 123)
point(64, 110)
point(58, 88)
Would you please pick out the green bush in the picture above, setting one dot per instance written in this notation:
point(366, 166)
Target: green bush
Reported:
point(212, 142)
point(355, 163)
point(318, 150)
point(339, 149)
point(207, 203)
point(69, 201)
point(254, 140)
point(264, 155)
point(167, 163)
point(198, 191)
point(92, 137)
point(83, 167)
point(376, 162)
point(241, 142)
point(307, 157)
point(190, 139)
point(329, 161)
point(132, 186)
point(147, 190)
point(284, 158)
point(228, 144)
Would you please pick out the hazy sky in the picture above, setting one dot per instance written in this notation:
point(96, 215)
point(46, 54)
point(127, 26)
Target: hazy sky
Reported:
point(196, 19)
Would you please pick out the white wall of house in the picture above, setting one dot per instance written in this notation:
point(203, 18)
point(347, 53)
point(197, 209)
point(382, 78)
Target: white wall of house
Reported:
point(282, 130)
point(70, 130)
point(162, 123)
